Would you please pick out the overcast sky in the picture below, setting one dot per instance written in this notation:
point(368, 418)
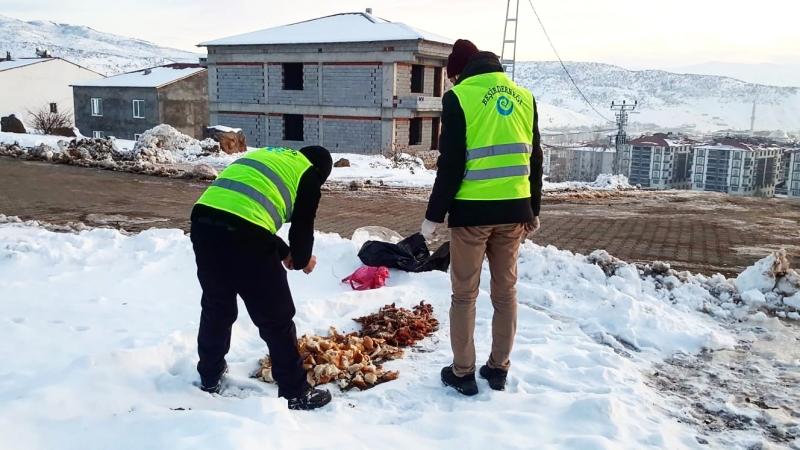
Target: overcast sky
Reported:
point(662, 34)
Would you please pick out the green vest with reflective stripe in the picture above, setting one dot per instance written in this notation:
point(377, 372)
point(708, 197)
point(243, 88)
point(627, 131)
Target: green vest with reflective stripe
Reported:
point(499, 117)
point(260, 187)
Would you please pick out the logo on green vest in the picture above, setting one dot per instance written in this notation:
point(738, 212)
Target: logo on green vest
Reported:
point(504, 106)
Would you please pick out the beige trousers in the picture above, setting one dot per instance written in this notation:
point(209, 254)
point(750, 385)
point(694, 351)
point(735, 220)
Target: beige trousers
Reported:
point(468, 245)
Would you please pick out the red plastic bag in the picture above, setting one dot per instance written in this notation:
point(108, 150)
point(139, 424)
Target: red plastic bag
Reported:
point(368, 278)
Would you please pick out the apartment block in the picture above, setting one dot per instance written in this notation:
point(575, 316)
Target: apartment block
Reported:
point(658, 161)
point(737, 168)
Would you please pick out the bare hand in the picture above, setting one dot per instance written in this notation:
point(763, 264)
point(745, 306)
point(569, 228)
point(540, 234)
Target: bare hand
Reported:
point(312, 263)
point(531, 228)
point(288, 262)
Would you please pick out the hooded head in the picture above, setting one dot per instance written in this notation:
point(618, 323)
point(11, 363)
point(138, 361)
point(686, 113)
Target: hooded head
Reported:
point(462, 51)
point(321, 159)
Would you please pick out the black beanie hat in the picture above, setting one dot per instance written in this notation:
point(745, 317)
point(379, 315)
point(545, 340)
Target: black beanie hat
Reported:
point(320, 157)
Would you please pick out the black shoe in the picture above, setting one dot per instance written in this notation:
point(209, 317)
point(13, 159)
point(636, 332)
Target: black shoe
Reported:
point(496, 377)
point(465, 385)
point(213, 386)
point(312, 399)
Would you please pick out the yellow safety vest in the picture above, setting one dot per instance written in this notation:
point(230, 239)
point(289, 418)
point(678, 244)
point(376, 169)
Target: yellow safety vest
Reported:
point(499, 117)
point(260, 187)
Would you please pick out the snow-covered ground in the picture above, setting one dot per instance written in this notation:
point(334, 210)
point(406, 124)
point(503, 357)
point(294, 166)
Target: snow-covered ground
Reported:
point(99, 333)
point(402, 171)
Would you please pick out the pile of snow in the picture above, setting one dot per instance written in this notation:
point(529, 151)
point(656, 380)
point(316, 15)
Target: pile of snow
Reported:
point(166, 145)
point(604, 182)
point(769, 286)
point(100, 333)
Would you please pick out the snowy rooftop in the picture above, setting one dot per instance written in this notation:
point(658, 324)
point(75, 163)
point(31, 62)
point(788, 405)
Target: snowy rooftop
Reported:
point(16, 63)
point(661, 140)
point(347, 27)
point(147, 78)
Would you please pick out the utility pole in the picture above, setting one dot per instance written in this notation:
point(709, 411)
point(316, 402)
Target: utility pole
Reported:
point(510, 39)
point(621, 111)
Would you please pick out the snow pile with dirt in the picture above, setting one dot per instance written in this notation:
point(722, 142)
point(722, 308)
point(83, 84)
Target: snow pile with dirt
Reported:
point(100, 332)
point(604, 182)
point(769, 286)
point(166, 145)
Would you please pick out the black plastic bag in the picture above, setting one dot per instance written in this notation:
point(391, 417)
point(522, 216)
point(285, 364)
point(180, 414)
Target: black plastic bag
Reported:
point(410, 255)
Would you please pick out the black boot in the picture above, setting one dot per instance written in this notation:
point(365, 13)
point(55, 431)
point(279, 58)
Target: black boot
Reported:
point(312, 399)
point(465, 385)
point(213, 386)
point(496, 377)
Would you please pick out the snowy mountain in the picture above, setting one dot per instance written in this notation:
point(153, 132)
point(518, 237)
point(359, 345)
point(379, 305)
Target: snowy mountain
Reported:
point(770, 74)
point(105, 53)
point(668, 100)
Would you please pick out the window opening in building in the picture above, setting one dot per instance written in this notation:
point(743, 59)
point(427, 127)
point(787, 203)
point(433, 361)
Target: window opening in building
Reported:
point(97, 107)
point(417, 79)
point(53, 108)
point(138, 109)
point(293, 76)
point(437, 82)
point(98, 134)
point(293, 127)
point(415, 132)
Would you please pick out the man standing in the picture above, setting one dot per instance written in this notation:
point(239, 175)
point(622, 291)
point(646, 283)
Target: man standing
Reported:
point(234, 226)
point(489, 180)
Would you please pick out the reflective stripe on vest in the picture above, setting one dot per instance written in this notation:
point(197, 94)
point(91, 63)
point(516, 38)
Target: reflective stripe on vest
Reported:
point(496, 150)
point(500, 172)
point(260, 187)
point(499, 117)
point(267, 172)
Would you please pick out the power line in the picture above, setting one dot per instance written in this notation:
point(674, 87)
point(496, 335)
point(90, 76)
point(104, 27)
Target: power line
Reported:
point(530, 2)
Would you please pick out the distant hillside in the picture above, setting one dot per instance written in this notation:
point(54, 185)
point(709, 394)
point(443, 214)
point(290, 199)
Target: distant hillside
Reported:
point(701, 102)
point(105, 53)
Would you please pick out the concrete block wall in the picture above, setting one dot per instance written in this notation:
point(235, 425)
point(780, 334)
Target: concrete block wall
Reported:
point(239, 84)
point(346, 135)
point(352, 85)
point(403, 133)
point(307, 97)
point(404, 80)
point(253, 126)
point(310, 132)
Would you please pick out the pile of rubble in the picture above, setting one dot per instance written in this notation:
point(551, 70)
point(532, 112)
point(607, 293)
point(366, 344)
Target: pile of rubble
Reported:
point(103, 153)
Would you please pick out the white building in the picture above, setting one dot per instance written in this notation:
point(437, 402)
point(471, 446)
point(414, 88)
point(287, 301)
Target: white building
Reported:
point(736, 168)
point(28, 84)
point(660, 161)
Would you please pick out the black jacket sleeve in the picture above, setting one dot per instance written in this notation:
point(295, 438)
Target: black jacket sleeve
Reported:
point(301, 233)
point(537, 161)
point(452, 159)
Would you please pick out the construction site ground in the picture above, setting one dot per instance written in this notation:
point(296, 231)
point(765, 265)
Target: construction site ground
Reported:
point(701, 232)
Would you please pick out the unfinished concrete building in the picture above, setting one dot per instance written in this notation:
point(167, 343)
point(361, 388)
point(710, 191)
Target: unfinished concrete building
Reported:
point(659, 161)
point(350, 82)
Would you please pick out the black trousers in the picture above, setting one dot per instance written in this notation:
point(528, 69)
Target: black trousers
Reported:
point(231, 262)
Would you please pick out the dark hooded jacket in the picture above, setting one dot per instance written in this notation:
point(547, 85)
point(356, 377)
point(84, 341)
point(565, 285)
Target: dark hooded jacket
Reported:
point(453, 161)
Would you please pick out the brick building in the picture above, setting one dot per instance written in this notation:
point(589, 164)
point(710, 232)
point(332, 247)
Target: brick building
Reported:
point(737, 168)
point(350, 82)
point(659, 161)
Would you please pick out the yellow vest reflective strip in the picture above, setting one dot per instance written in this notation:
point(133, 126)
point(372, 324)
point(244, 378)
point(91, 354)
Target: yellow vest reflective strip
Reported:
point(500, 172)
point(497, 150)
point(259, 187)
point(272, 176)
point(258, 197)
